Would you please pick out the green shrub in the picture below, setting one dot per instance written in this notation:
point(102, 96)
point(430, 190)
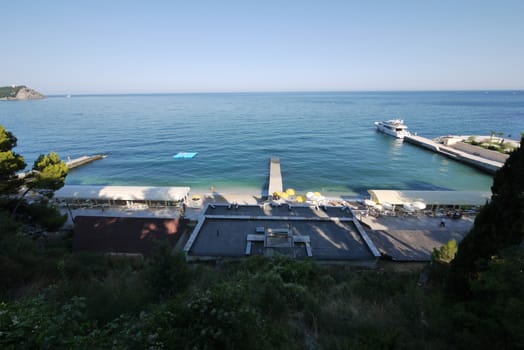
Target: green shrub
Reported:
point(120, 292)
point(166, 273)
point(507, 147)
point(8, 226)
point(446, 253)
point(38, 324)
point(12, 274)
point(472, 141)
point(382, 286)
point(46, 215)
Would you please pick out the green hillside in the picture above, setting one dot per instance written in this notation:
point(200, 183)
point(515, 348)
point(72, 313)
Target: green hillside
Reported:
point(10, 91)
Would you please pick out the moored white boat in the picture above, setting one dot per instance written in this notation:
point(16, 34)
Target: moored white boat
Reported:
point(394, 127)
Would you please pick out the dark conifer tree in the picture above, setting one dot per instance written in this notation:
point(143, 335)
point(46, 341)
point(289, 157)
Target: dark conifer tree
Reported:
point(499, 224)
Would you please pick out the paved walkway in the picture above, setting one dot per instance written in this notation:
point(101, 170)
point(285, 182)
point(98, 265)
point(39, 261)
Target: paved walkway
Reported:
point(478, 161)
point(413, 238)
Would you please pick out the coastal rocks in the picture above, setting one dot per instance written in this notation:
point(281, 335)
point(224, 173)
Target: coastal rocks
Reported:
point(21, 92)
point(28, 94)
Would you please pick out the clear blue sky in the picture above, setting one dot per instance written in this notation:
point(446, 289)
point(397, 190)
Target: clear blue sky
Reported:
point(116, 46)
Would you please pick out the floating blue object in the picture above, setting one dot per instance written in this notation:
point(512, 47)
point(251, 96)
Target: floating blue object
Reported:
point(185, 155)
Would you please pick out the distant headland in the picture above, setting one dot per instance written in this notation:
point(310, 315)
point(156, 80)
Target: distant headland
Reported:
point(19, 92)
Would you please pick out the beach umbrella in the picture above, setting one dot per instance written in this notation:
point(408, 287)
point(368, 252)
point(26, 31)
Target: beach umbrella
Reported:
point(310, 195)
point(290, 191)
point(283, 195)
point(408, 207)
point(317, 194)
point(196, 201)
point(419, 205)
point(301, 199)
point(387, 206)
point(369, 203)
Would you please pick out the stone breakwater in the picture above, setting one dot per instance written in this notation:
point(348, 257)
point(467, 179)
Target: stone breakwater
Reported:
point(474, 159)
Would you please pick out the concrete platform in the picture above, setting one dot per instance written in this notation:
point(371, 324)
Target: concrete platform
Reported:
point(331, 233)
point(413, 238)
point(328, 240)
point(481, 163)
point(275, 177)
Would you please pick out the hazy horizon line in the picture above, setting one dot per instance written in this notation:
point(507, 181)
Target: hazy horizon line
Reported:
point(277, 91)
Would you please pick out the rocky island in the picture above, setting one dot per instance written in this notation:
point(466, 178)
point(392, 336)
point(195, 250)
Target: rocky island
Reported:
point(20, 92)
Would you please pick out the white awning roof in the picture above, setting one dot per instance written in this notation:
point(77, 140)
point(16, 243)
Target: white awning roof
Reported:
point(127, 193)
point(431, 197)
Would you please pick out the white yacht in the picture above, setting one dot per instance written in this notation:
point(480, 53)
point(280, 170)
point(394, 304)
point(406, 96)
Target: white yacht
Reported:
point(394, 127)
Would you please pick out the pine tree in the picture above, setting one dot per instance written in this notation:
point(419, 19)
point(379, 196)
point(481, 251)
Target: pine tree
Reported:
point(10, 163)
point(499, 224)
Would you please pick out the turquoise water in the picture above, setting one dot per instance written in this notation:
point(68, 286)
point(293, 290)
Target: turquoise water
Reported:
point(326, 141)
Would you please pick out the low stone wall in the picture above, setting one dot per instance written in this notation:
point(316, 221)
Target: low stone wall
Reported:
point(481, 152)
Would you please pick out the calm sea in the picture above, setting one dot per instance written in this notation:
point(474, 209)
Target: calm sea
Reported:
point(326, 141)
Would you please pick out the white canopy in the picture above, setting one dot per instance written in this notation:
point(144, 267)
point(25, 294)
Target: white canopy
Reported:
point(127, 193)
point(430, 197)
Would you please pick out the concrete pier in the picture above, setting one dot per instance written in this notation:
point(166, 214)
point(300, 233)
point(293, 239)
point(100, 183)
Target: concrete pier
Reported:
point(75, 163)
point(481, 163)
point(71, 163)
point(275, 177)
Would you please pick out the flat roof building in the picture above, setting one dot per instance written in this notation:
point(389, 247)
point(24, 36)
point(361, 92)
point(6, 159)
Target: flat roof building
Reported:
point(126, 235)
point(434, 198)
point(320, 233)
point(122, 195)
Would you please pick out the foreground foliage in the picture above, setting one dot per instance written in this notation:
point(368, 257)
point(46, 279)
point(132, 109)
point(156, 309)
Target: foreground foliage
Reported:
point(95, 301)
point(47, 175)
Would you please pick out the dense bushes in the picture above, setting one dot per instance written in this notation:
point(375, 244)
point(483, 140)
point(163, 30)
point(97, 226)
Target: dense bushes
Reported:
point(499, 224)
point(41, 213)
point(98, 302)
point(46, 215)
point(166, 273)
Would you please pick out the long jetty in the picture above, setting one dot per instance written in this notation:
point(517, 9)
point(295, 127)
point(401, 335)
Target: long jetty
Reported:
point(275, 177)
point(72, 163)
point(77, 162)
point(481, 163)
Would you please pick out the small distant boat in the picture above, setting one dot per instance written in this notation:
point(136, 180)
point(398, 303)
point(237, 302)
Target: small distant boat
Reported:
point(394, 127)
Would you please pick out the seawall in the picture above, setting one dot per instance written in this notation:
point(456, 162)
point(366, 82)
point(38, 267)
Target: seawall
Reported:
point(487, 165)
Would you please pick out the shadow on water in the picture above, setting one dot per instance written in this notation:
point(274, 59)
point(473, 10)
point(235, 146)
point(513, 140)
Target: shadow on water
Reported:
point(415, 185)
point(424, 186)
point(363, 191)
point(265, 187)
